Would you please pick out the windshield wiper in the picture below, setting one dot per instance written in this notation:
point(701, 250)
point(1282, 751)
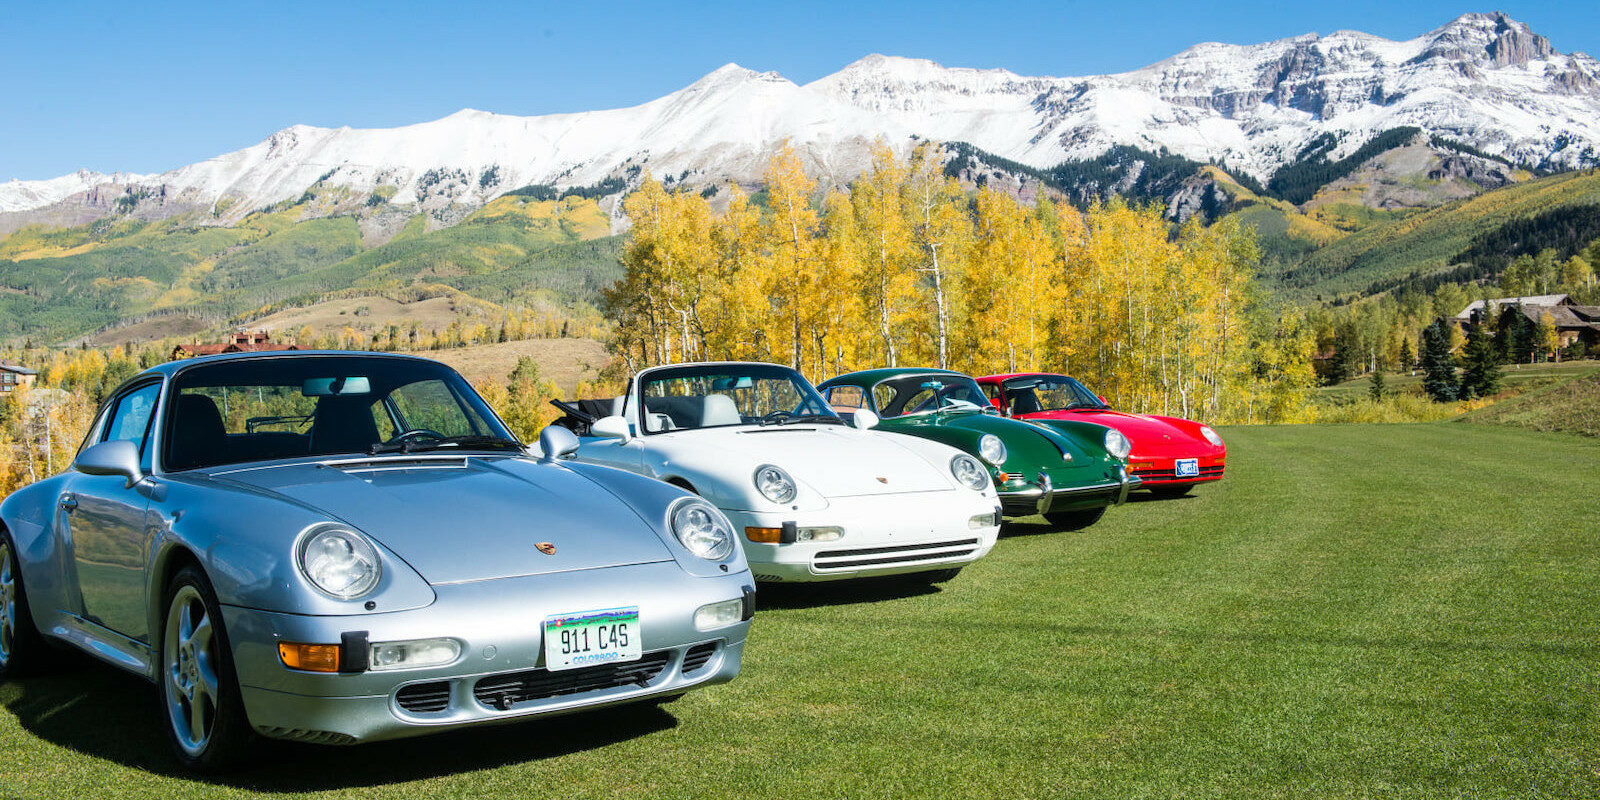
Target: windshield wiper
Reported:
point(812, 418)
point(471, 440)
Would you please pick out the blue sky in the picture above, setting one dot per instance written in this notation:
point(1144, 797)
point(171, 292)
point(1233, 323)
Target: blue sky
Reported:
point(149, 87)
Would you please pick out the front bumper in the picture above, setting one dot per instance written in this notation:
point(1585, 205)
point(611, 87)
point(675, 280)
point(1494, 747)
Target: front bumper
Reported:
point(1162, 470)
point(499, 676)
point(1043, 498)
point(893, 534)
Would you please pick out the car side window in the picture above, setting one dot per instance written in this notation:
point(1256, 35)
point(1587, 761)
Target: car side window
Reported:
point(881, 395)
point(846, 398)
point(130, 419)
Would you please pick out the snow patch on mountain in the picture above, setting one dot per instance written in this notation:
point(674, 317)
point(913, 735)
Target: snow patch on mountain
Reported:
point(1483, 79)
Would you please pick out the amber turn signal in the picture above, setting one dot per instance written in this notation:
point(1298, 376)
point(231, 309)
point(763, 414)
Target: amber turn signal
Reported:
point(764, 535)
point(309, 657)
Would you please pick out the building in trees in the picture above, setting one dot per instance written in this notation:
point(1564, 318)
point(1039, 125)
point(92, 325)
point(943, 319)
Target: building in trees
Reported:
point(1518, 320)
point(239, 342)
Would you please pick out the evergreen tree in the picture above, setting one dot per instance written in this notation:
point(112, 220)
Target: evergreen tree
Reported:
point(1346, 359)
point(1510, 336)
point(1408, 358)
point(1543, 340)
point(1376, 389)
point(1439, 368)
point(1480, 374)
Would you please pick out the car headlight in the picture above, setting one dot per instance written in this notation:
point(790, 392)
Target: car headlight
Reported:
point(703, 530)
point(340, 562)
point(992, 449)
point(1117, 444)
point(1211, 435)
point(969, 473)
point(774, 484)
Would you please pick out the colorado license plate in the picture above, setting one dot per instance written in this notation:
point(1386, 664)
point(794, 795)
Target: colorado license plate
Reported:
point(587, 638)
point(1187, 468)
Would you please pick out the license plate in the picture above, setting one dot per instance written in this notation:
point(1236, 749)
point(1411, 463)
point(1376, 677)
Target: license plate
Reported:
point(587, 638)
point(1187, 468)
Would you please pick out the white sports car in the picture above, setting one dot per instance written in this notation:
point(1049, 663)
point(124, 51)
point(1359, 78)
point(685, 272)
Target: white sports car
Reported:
point(814, 498)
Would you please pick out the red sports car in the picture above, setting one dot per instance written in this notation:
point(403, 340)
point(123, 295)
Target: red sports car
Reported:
point(1170, 454)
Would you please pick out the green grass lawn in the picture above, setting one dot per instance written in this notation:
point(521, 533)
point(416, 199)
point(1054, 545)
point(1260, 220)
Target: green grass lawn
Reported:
point(1356, 611)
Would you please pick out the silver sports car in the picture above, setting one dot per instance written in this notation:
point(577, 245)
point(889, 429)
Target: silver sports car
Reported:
point(341, 548)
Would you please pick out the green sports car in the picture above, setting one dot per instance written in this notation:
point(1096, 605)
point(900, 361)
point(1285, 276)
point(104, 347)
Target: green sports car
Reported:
point(1068, 472)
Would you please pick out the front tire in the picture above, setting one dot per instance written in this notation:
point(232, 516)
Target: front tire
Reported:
point(199, 690)
point(1074, 520)
point(22, 649)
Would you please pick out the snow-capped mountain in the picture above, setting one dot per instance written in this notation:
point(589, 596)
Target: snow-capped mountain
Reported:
point(1484, 80)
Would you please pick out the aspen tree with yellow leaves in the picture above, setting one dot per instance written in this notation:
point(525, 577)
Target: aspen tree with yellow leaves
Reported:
point(886, 285)
point(792, 247)
point(907, 268)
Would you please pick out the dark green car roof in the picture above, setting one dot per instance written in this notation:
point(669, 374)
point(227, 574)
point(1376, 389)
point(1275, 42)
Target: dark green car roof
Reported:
point(868, 378)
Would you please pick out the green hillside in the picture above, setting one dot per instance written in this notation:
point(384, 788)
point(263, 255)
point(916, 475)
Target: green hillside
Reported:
point(57, 284)
point(1425, 241)
point(1571, 406)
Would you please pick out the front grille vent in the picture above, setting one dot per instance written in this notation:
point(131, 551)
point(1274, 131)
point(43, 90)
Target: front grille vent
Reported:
point(698, 656)
point(307, 736)
point(424, 698)
point(891, 556)
point(1172, 475)
point(505, 691)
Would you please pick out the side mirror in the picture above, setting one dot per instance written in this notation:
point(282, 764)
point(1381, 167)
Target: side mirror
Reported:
point(1102, 399)
point(116, 457)
point(612, 427)
point(990, 409)
point(864, 420)
point(556, 442)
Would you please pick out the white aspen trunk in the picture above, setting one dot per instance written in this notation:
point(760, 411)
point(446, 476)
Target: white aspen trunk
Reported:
point(938, 297)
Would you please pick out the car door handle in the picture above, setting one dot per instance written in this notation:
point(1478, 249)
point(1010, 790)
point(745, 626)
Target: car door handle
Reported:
point(68, 502)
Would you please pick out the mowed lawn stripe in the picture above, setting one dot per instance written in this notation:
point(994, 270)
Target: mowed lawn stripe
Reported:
point(1359, 610)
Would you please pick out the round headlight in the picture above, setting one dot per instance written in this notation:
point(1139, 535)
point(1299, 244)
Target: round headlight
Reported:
point(992, 449)
point(702, 529)
point(774, 484)
point(340, 562)
point(969, 473)
point(1211, 435)
point(1117, 444)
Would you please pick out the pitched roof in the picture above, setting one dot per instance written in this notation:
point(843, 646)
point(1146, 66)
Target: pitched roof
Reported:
point(1527, 300)
point(18, 370)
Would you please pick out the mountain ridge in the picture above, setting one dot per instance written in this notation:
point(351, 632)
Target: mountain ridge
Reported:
point(1485, 80)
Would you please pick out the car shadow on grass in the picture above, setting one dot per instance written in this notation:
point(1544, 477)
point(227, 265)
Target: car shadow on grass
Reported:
point(834, 593)
point(104, 713)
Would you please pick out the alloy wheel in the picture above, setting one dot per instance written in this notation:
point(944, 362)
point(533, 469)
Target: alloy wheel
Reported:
point(189, 661)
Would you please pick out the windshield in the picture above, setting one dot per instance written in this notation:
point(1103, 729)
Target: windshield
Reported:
point(1048, 393)
point(921, 394)
point(271, 408)
point(721, 395)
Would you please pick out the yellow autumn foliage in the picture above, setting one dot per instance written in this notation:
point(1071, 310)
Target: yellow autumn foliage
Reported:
point(907, 269)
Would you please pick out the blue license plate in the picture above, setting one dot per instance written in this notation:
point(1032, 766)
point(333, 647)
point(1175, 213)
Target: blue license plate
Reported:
point(1187, 468)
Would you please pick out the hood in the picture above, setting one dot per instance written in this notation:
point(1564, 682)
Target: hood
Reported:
point(834, 460)
point(462, 519)
point(1151, 436)
point(1028, 447)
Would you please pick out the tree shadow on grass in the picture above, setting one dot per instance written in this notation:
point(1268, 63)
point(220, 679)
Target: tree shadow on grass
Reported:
point(832, 593)
point(105, 713)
